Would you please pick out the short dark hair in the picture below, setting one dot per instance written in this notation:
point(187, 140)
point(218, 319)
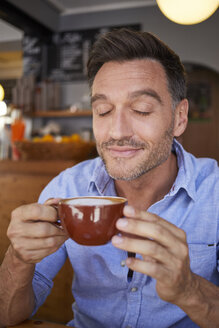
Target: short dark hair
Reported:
point(126, 44)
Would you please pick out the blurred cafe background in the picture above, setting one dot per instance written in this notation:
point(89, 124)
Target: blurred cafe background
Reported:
point(45, 114)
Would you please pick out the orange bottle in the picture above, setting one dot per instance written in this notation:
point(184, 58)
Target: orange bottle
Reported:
point(17, 133)
point(17, 130)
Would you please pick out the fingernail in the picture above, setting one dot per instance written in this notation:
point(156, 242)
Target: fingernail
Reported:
point(122, 223)
point(128, 261)
point(129, 210)
point(117, 239)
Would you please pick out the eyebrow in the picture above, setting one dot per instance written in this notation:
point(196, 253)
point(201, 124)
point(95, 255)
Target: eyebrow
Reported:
point(145, 92)
point(98, 96)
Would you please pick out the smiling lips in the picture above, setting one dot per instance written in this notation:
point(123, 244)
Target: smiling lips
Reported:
point(123, 151)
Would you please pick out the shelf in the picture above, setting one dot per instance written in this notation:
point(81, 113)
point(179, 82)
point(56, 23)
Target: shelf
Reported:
point(61, 113)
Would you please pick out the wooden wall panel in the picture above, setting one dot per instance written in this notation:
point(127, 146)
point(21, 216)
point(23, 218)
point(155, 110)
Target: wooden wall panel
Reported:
point(201, 137)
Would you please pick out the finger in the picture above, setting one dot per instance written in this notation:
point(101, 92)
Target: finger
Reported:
point(154, 231)
point(35, 256)
point(52, 201)
point(145, 248)
point(129, 211)
point(37, 244)
point(149, 268)
point(35, 212)
point(38, 230)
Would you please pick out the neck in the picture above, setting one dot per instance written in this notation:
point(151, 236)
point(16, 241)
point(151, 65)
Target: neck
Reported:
point(150, 187)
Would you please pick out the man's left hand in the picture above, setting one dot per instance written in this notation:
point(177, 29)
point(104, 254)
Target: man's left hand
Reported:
point(164, 251)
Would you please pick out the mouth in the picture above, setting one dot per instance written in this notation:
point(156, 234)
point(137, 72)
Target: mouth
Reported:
point(125, 152)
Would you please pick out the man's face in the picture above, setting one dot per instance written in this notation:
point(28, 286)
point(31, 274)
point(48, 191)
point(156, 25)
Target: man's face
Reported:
point(133, 120)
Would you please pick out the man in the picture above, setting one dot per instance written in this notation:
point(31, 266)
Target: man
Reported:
point(171, 222)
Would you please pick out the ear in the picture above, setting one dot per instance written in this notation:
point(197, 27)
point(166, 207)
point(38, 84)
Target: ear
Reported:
point(181, 117)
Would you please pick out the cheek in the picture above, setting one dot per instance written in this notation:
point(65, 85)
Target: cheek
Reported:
point(148, 129)
point(154, 126)
point(99, 130)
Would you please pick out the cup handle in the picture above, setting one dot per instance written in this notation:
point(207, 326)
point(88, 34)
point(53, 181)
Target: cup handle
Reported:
point(53, 202)
point(58, 223)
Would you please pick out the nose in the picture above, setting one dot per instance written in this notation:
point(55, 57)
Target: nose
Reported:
point(120, 124)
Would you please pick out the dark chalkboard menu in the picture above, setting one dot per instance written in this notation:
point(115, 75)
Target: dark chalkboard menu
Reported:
point(33, 61)
point(61, 56)
point(68, 53)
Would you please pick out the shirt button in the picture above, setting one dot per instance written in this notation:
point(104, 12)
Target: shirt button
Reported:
point(134, 289)
point(122, 263)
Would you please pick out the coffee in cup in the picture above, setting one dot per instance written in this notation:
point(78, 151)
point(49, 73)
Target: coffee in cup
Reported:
point(90, 220)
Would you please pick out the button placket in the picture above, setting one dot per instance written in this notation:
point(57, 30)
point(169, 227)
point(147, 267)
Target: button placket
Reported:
point(122, 263)
point(134, 296)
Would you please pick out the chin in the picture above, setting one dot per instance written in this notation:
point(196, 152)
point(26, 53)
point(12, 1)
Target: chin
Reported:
point(123, 169)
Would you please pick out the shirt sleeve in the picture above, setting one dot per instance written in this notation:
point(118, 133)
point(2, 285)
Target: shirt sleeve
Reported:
point(217, 257)
point(55, 188)
point(44, 274)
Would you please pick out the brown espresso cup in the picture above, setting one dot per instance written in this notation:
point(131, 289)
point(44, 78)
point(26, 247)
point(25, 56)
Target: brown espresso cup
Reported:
point(91, 220)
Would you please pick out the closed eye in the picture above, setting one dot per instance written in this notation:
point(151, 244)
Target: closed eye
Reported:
point(104, 113)
point(102, 109)
point(141, 113)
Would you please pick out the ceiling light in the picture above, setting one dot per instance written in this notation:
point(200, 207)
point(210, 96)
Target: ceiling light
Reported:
point(3, 108)
point(188, 12)
point(2, 92)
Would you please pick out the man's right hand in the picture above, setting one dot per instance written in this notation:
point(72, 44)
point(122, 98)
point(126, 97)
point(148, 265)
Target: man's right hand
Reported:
point(33, 232)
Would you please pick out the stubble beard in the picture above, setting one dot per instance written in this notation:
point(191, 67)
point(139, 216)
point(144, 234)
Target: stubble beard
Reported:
point(120, 168)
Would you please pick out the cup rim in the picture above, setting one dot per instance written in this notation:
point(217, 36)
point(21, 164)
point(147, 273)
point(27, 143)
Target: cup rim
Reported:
point(65, 200)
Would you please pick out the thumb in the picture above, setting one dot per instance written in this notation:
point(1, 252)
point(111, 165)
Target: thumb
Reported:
point(52, 201)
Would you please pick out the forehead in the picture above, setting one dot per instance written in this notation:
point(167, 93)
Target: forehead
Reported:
point(130, 74)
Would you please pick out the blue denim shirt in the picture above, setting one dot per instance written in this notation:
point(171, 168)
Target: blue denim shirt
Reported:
point(104, 298)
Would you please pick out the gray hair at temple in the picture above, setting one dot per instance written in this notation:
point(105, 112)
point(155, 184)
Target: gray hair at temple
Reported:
point(125, 44)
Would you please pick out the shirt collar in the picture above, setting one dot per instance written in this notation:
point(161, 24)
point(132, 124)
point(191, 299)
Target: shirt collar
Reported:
point(186, 176)
point(184, 180)
point(100, 178)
